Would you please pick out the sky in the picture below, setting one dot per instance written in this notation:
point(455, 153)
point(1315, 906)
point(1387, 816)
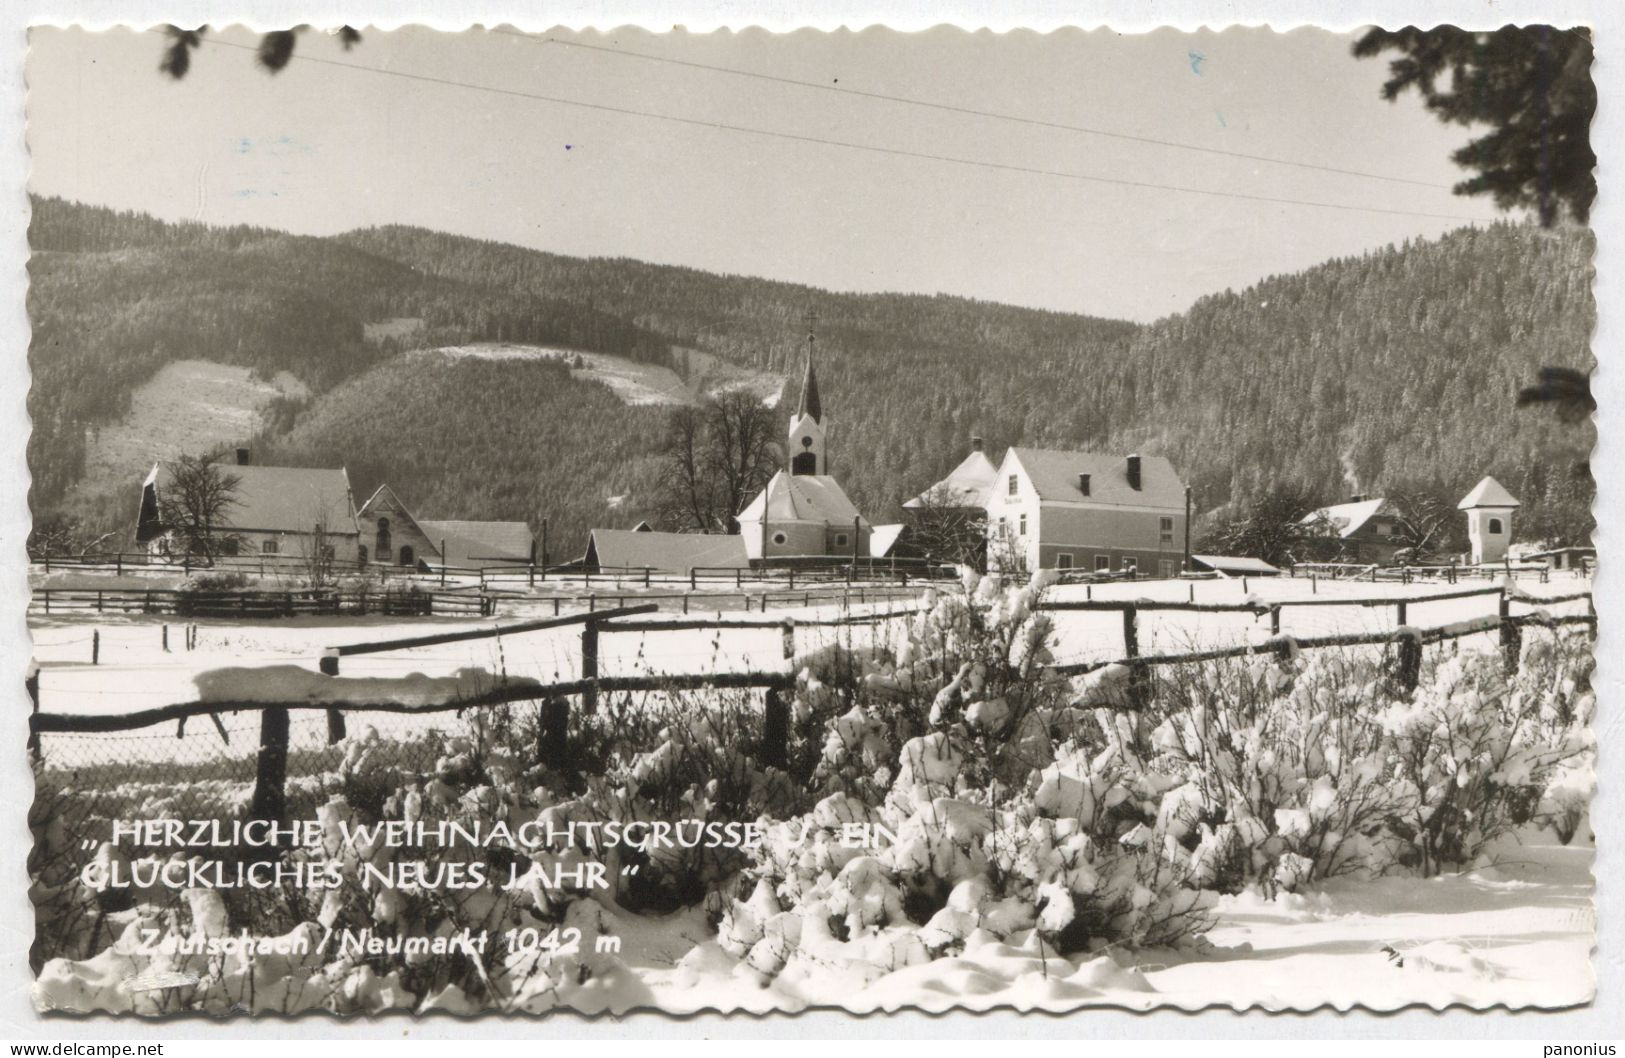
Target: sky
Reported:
point(323, 147)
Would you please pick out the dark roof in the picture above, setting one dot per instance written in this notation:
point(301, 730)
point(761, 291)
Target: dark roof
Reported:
point(672, 552)
point(282, 499)
point(1054, 475)
point(465, 542)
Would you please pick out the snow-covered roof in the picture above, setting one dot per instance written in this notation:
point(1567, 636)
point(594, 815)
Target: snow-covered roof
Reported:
point(966, 485)
point(1488, 493)
point(281, 499)
point(1234, 564)
point(882, 538)
point(1054, 475)
point(464, 541)
point(672, 552)
point(815, 498)
point(1347, 518)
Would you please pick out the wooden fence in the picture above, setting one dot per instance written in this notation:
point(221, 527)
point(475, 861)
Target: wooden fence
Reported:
point(413, 602)
point(271, 765)
point(831, 571)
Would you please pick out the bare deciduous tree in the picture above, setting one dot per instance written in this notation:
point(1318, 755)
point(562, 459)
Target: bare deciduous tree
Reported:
point(945, 530)
point(193, 500)
point(1422, 521)
point(719, 454)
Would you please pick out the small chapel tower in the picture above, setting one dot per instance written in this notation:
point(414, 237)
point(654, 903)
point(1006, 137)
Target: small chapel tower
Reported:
point(806, 438)
point(1489, 510)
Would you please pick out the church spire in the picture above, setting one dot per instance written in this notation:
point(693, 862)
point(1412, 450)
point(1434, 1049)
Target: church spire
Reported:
point(810, 404)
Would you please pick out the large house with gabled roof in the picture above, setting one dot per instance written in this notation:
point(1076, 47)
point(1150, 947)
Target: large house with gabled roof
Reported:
point(273, 511)
point(1049, 509)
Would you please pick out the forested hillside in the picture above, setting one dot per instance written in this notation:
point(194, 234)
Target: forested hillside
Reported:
point(1397, 368)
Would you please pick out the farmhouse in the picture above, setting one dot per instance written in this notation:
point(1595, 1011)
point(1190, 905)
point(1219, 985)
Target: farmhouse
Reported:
point(1366, 528)
point(636, 549)
point(804, 512)
point(392, 536)
point(1079, 510)
point(273, 511)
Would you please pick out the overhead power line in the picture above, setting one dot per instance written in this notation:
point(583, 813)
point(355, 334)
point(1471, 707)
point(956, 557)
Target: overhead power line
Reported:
point(974, 112)
point(899, 152)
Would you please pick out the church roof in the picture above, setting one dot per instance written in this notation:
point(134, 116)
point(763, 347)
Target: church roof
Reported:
point(1487, 493)
point(965, 486)
point(802, 498)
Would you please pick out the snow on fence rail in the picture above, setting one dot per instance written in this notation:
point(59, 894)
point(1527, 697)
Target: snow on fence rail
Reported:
point(270, 693)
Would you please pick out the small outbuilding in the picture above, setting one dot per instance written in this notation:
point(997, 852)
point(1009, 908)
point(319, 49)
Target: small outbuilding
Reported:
point(1233, 566)
point(628, 549)
point(1489, 510)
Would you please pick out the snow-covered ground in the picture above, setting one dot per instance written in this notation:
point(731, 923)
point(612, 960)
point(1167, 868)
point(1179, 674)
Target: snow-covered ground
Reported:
point(1517, 930)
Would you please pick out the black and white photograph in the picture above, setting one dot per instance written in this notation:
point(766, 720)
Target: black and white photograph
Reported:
point(565, 521)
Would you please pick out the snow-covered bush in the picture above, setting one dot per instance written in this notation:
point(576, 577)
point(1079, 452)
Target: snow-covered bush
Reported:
point(1475, 751)
point(1285, 768)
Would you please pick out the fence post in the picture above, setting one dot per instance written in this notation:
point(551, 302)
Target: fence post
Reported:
point(589, 665)
point(98, 602)
point(1139, 690)
point(775, 730)
point(1408, 661)
point(1400, 612)
point(1275, 619)
point(1511, 637)
point(329, 664)
point(693, 584)
point(789, 639)
point(166, 639)
point(555, 742)
point(271, 768)
point(95, 646)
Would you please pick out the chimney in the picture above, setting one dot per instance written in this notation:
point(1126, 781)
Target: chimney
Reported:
point(975, 444)
point(1083, 484)
point(243, 457)
point(1134, 472)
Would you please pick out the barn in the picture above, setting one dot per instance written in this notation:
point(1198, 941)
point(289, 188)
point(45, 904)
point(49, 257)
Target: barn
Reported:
point(638, 549)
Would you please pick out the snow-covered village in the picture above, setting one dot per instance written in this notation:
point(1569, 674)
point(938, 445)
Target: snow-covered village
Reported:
point(436, 617)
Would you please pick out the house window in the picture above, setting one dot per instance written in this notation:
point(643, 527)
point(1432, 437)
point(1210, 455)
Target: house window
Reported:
point(1165, 569)
point(1004, 528)
point(329, 552)
point(383, 549)
point(1022, 530)
point(840, 539)
point(1063, 560)
point(1015, 484)
point(408, 558)
point(1103, 563)
point(228, 546)
point(1166, 525)
point(1130, 564)
point(361, 554)
point(268, 547)
point(1495, 527)
point(779, 538)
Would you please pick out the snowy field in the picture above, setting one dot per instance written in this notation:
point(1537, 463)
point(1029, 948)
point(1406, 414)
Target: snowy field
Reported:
point(134, 672)
point(1515, 930)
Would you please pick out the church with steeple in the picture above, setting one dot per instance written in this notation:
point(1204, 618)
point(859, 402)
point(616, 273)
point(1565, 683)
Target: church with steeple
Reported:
point(803, 511)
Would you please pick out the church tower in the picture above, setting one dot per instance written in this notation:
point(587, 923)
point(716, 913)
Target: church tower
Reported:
point(806, 438)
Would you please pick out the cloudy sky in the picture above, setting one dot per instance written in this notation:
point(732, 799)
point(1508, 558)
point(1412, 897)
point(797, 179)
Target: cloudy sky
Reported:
point(580, 150)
